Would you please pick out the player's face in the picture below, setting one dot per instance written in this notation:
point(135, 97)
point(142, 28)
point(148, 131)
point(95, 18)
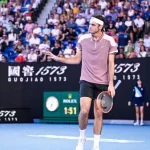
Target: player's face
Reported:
point(94, 28)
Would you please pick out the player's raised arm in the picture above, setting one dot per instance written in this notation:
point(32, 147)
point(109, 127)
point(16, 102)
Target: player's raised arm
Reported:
point(73, 60)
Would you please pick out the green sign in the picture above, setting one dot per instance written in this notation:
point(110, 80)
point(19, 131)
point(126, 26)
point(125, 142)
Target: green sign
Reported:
point(3, 1)
point(61, 106)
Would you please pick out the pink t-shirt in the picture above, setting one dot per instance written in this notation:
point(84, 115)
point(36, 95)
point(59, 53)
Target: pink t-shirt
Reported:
point(95, 57)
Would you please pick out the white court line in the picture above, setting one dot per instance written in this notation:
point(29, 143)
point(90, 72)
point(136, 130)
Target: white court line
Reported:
point(89, 139)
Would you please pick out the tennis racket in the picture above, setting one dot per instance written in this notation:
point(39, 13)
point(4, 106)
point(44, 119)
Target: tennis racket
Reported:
point(104, 100)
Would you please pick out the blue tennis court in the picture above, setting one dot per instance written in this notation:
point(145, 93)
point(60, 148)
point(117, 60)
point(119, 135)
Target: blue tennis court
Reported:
point(65, 137)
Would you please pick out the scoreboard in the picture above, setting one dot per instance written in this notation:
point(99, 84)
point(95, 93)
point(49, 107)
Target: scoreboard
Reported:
point(61, 107)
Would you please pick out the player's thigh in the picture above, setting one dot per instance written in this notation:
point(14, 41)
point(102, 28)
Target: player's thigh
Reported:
point(86, 95)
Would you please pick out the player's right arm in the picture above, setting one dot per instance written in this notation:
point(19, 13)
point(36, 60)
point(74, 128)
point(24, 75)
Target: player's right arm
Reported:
point(73, 60)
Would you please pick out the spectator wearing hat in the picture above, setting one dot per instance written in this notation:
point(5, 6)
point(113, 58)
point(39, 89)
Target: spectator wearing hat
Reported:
point(138, 46)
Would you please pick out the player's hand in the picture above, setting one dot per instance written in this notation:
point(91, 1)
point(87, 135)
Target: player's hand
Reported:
point(129, 103)
point(52, 56)
point(111, 89)
point(147, 104)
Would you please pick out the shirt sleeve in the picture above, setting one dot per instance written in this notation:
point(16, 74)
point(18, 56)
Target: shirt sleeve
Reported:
point(79, 43)
point(113, 46)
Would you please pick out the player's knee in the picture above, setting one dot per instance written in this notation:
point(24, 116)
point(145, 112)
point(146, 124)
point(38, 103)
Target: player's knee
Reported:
point(84, 113)
point(98, 114)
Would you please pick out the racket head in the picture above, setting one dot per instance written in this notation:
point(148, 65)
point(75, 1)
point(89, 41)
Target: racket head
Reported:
point(104, 101)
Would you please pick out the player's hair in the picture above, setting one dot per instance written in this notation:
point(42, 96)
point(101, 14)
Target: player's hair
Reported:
point(100, 18)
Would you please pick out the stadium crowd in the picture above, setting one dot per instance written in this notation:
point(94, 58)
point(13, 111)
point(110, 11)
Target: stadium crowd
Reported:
point(23, 39)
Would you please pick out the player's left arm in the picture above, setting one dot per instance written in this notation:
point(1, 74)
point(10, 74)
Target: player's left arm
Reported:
point(111, 65)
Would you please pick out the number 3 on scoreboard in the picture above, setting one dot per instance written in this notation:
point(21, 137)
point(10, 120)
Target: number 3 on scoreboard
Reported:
point(70, 110)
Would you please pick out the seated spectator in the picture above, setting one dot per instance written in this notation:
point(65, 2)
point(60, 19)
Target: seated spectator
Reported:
point(139, 23)
point(88, 15)
point(68, 51)
point(71, 23)
point(4, 43)
point(37, 29)
point(47, 40)
point(62, 20)
point(132, 53)
point(75, 9)
point(19, 47)
point(72, 35)
point(122, 29)
point(142, 52)
point(120, 55)
point(56, 31)
point(29, 26)
point(4, 59)
point(147, 42)
point(34, 40)
point(118, 23)
point(65, 30)
point(1, 32)
point(110, 28)
point(127, 48)
point(12, 37)
point(140, 44)
point(47, 57)
point(103, 4)
point(56, 49)
point(80, 21)
point(52, 21)
point(106, 11)
point(32, 56)
point(17, 29)
point(9, 26)
point(60, 37)
point(131, 11)
point(43, 46)
point(147, 25)
point(26, 51)
point(115, 37)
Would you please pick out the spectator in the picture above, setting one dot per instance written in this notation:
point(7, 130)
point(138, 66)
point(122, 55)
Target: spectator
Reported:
point(132, 53)
point(142, 52)
point(29, 26)
point(127, 48)
point(71, 35)
point(32, 56)
point(80, 21)
point(68, 51)
point(34, 40)
point(56, 31)
point(19, 47)
point(56, 49)
point(138, 47)
point(147, 42)
point(120, 55)
point(71, 23)
point(4, 43)
point(47, 40)
point(12, 37)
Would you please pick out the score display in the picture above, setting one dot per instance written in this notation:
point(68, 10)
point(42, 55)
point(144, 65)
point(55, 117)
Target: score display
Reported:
point(61, 106)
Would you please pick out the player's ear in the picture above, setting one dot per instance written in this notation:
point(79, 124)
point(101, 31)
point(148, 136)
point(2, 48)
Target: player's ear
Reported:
point(100, 27)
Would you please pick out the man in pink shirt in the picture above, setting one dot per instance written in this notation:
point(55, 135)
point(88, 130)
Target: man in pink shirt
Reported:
point(29, 26)
point(97, 51)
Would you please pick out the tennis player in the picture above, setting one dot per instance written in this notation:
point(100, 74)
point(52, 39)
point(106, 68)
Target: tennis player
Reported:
point(139, 98)
point(97, 51)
